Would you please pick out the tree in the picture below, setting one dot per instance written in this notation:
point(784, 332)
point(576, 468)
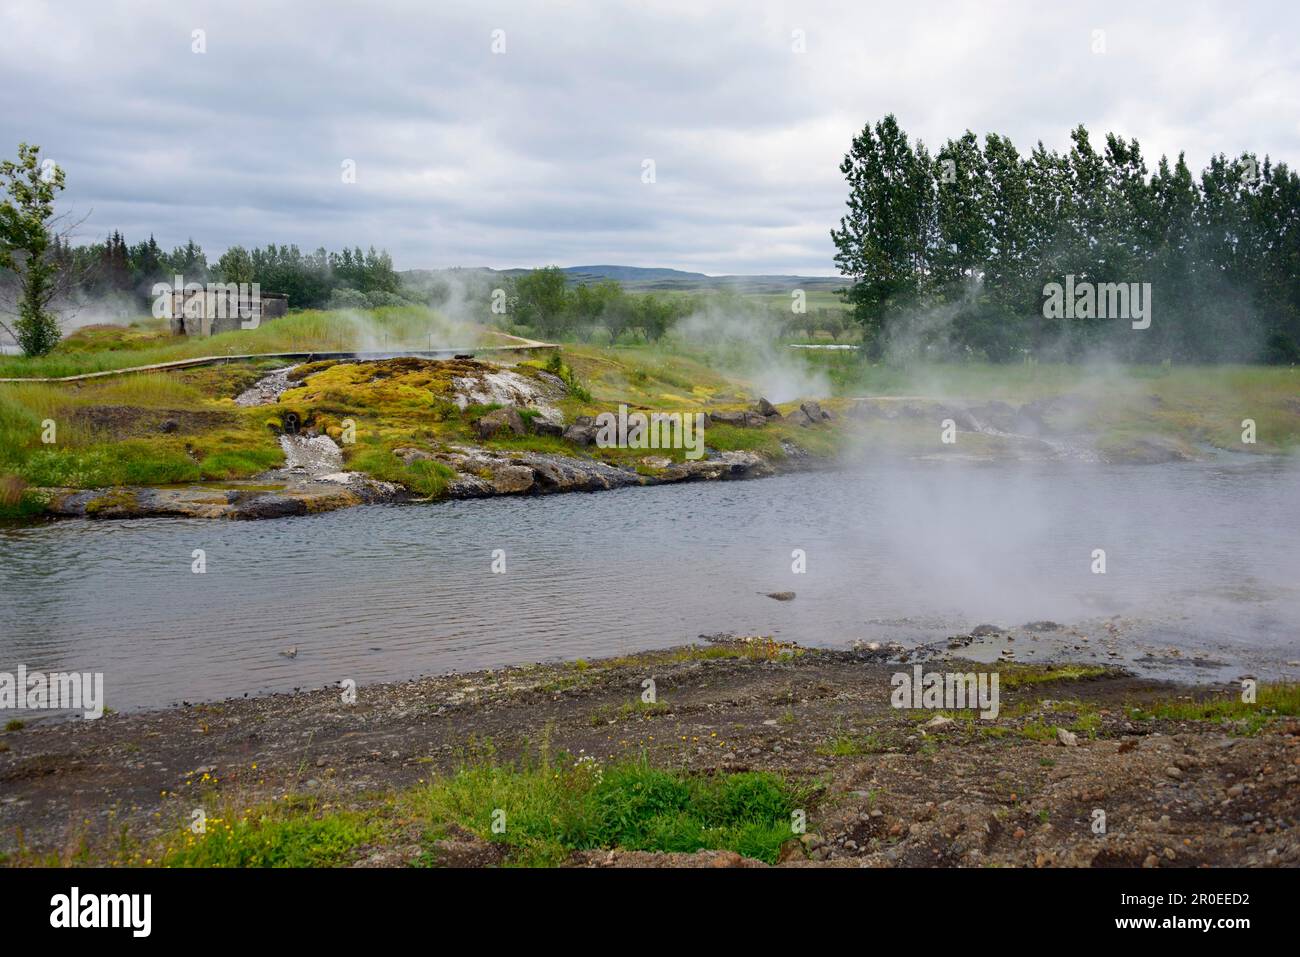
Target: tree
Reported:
point(235, 265)
point(885, 240)
point(541, 299)
point(25, 241)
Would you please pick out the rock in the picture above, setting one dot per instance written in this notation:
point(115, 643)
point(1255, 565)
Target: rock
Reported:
point(559, 473)
point(814, 411)
point(541, 425)
point(506, 417)
point(800, 417)
point(742, 419)
point(1147, 450)
point(270, 505)
point(512, 479)
point(1174, 771)
point(409, 454)
point(724, 465)
point(582, 431)
point(781, 595)
point(1066, 739)
point(938, 723)
point(767, 409)
point(1041, 626)
point(984, 631)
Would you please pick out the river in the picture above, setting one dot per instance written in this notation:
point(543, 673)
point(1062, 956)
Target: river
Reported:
point(1202, 566)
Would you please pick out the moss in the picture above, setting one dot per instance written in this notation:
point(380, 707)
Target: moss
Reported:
point(114, 500)
point(1021, 675)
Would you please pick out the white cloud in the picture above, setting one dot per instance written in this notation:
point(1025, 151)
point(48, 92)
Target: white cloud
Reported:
point(468, 158)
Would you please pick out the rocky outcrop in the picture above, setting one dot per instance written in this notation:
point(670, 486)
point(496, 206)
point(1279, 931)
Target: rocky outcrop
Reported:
point(504, 419)
point(1145, 450)
point(324, 494)
point(745, 419)
point(481, 473)
point(720, 466)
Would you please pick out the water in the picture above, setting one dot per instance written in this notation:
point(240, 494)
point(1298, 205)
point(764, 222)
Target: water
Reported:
point(1200, 557)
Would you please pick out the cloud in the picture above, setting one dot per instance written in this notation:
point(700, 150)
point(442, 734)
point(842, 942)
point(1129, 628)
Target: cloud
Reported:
point(535, 156)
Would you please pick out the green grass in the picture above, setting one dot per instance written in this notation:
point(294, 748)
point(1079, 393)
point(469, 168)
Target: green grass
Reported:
point(423, 475)
point(239, 463)
point(214, 438)
point(145, 342)
point(842, 746)
point(1011, 676)
point(273, 837)
point(553, 810)
point(1195, 406)
point(1273, 700)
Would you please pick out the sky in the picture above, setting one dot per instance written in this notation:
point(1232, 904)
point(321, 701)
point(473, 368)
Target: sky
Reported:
point(518, 134)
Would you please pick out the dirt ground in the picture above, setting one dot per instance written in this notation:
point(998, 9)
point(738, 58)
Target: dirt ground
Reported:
point(893, 789)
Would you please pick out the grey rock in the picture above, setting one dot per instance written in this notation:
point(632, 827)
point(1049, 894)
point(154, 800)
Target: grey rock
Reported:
point(505, 418)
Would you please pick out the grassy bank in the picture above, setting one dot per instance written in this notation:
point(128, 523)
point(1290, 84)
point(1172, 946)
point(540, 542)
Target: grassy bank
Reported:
point(182, 426)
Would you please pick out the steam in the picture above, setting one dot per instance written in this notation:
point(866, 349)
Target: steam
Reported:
point(745, 341)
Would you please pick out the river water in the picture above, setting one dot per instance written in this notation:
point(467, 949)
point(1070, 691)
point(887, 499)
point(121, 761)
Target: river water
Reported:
point(1202, 565)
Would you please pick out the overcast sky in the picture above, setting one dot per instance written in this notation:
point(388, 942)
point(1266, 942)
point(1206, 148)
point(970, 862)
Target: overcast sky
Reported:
point(535, 155)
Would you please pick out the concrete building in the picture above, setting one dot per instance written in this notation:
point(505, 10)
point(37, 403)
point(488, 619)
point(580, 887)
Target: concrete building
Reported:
point(223, 307)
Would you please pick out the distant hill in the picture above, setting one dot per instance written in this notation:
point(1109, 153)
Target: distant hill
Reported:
point(647, 278)
point(634, 273)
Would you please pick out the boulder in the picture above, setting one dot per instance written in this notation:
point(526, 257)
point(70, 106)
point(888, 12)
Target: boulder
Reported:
point(742, 419)
point(581, 433)
point(507, 418)
point(814, 411)
point(767, 409)
point(512, 479)
point(801, 417)
point(541, 425)
point(409, 454)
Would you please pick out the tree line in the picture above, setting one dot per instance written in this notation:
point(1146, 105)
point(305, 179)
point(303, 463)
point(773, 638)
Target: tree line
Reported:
point(311, 280)
point(951, 254)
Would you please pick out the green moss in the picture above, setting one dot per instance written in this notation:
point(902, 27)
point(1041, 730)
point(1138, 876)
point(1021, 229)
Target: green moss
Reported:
point(1012, 676)
point(114, 500)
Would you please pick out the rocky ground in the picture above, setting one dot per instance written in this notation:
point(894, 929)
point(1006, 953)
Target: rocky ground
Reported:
point(891, 787)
